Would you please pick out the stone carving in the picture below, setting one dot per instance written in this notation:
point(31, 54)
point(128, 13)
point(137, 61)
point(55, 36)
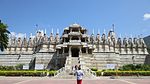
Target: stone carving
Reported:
point(24, 42)
point(57, 38)
point(30, 42)
point(103, 38)
point(119, 41)
point(19, 42)
point(92, 40)
point(125, 42)
point(44, 39)
point(98, 38)
point(130, 43)
point(51, 37)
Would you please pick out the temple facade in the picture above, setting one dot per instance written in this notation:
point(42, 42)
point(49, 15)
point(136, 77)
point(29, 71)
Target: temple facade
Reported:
point(74, 47)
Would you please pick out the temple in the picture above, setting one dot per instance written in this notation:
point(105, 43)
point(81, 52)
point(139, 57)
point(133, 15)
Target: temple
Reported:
point(74, 47)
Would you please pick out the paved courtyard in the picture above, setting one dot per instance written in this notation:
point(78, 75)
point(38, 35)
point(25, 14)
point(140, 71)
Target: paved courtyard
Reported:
point(44, 80)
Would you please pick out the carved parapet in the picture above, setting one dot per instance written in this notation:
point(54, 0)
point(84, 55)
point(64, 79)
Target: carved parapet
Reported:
point(24, 49)
point(123, 51)
point(140, 51)
point(145, 51)
point(111, 49)
point(30, 49)
point(44, 48)
point(129, 50)
point(134, 50)
point(106, 48)
point(18, 48)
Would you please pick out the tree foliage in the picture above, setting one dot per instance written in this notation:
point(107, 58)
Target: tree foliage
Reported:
point(3, 36)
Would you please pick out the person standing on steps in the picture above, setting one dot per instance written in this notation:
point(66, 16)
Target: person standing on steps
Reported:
point(79, 74)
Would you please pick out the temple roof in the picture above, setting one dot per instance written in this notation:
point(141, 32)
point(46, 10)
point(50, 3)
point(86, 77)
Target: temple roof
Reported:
point(75, 25)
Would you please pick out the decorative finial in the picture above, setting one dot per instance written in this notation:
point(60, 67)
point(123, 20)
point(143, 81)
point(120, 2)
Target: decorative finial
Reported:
point(131, 36)
point(125, 35)
point(45, 31)
point(30, 34)
point(36, 25)
point(141, 35)
point(52, 30)
point(120, 36)
point(98, 31)
point(93, 31)
point(113, 27)
point(57, 31)
point(25, 35)
point(104, 31)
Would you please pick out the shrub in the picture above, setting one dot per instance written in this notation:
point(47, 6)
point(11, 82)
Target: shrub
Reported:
point(124, 73)
point(137, 67)
point(19, 66)
point(94, 69)
point(27, 73)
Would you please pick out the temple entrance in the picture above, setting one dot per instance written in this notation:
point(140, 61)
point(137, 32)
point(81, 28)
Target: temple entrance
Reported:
point(75, 52)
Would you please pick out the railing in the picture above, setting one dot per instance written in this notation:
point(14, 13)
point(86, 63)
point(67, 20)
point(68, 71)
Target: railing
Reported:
point(59, 71)
point(75, 41)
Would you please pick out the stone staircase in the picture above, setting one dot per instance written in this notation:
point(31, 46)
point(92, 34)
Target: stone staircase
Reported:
point(69, 74)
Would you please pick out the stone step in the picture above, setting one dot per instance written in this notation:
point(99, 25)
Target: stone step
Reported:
point(69, 74)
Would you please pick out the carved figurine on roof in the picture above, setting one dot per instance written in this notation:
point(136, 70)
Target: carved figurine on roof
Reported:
point(24, 42)
point(51, 37)
point(98, 37)
point(92, 39)
point(44, 39)
point(19, 42)
point(30, 42)
point(57, 38)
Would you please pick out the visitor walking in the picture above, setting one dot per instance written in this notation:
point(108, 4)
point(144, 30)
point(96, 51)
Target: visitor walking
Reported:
point(79, 74)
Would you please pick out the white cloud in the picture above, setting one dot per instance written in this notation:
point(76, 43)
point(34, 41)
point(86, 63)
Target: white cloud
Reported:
point(146, 16)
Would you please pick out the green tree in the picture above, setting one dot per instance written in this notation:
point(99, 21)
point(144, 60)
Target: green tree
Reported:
point(3, 36)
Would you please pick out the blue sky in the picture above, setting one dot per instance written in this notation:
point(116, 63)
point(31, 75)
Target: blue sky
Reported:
point(131, 17)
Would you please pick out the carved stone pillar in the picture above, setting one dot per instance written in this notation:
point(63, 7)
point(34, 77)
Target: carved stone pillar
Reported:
point(71, 30)
point(64, 40)
point(57, 52)
point(63, 50)
point(80, 51)
point(87, 50)
point(70, 51)
point(79, 38)
point(70, 38)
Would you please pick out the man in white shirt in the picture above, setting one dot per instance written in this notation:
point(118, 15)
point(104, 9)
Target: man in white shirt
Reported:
point(79, 74)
